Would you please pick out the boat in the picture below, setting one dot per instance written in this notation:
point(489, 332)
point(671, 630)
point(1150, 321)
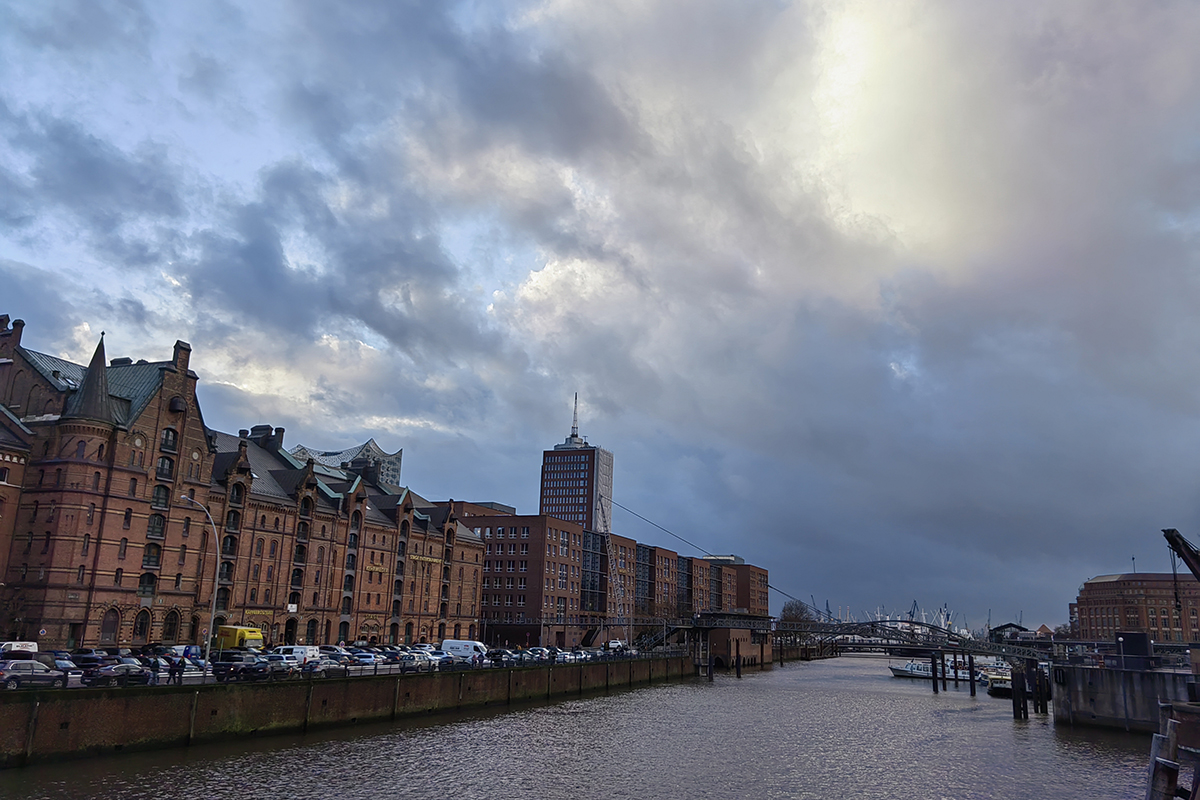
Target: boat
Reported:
point(999, 685)
point(922, 670)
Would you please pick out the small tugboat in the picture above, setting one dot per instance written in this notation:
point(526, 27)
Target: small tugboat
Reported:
point(999, 684)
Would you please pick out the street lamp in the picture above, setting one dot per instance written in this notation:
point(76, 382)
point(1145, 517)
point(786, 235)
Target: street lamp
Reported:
point(212, 613)
point(1121, 645)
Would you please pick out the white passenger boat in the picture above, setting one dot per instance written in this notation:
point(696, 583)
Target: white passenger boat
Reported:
point(922, 669)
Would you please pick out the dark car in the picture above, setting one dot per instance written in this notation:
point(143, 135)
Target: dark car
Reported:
point(238, 665)
point(15, 674)
point(123, 674)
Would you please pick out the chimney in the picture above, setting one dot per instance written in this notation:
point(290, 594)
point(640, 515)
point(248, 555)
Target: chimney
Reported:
point(18, 325)
point(277, 440)
point(243, 434)
point(183, 351)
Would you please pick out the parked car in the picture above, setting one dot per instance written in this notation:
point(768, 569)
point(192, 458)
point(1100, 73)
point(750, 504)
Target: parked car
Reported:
point(502, 657)
point(441, 659)
point(324, 668)
point(415, 661)
point(123, 674)
point(238, 665)
point(279, 667)
point(23, 673)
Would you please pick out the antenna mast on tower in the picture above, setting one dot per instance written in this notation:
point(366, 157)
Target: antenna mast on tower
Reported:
point(575, 419)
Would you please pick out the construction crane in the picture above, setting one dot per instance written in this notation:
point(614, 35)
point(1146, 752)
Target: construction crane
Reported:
point(1184, 549)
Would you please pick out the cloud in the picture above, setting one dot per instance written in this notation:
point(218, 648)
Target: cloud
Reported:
point(893, 299)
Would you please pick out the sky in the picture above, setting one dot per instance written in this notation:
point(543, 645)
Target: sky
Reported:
point(893, 299)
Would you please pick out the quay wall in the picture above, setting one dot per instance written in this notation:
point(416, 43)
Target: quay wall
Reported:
point(1114, 698)
point(59, 724)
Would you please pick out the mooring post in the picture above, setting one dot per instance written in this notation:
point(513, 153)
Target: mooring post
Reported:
point(933, 670)
point(971, 669)
point(1017, 679)
point(942, 658)
point(710, 665)
point(737, 656)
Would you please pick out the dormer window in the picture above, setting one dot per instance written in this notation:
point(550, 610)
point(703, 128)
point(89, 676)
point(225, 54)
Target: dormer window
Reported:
point(306, 507)
point(237, 493)
point(170, 440)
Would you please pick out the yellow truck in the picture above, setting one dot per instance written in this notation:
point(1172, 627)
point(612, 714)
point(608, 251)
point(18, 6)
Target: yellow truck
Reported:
point(230, 636)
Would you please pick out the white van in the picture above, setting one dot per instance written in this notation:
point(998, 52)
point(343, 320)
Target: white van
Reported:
point(18, 647)
point(303, 653)
point(464, 649)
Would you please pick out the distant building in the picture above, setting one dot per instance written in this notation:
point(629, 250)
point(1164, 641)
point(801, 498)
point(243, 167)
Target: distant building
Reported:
point(356, 457)
point(1139, 602)
point(577, 481)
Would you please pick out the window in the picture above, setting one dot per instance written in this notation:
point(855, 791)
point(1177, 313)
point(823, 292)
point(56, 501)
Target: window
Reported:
point(320, 555)
point(258, 547)
point(79, 575)
point(87, 544)
point(91, 513)
point(274, 544)
point(169, 439)
point(229, 546)
point(122, 547)
point(297, 578)
point(351, 561)
point(161, 497)
point(270, 571)
point(95, 481)
point(236, 493)
point(182, 553)
point(233, 520)
point(346, 605)
point(187, 526)
point(133, 487)
point(156, 526)
point(306, 507)
point(151, 555)
point(118, 576)
point(254, 571)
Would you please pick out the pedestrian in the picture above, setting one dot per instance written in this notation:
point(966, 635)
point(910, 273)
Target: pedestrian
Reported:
point(152, 678)
point(175, 673)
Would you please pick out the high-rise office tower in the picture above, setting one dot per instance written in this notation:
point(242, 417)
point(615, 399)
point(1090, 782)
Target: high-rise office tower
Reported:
point(577, 481)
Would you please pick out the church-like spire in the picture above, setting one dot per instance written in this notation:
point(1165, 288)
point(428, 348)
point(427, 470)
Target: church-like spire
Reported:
point(94, 402)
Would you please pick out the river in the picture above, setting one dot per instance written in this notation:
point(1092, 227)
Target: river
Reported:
point(820, 730)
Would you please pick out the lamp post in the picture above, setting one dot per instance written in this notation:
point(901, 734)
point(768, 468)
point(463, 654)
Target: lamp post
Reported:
point(1121, 646)
point(212, 612)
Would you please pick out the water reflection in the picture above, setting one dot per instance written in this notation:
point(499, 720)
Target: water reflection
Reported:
point(841, 728)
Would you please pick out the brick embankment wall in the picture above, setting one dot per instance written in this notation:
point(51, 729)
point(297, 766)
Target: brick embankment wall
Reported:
point(60, 724)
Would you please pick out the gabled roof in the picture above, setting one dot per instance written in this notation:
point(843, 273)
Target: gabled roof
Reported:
point(130, 387)
point(13, 433)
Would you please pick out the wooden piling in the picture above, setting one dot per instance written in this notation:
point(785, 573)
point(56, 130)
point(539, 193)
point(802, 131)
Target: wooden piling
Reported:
point(942, 659)
point(933, 670)
point(956, 670)
point(737, 657)
point(971, 669)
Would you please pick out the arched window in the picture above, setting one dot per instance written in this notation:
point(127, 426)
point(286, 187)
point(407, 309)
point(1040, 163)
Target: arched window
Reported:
point(266, 596)
point(80, 574)
point(225, 572)
point(310, 632)
point(182, 554)
point(170, 439)
point(345, 605)
point(91, 513)
point(255, 572)
point(151, 556)
point(96, 481)
point(355, 521)
point(277, 523)
point(320, 555)
point(166, 468)
point(297, 578)
point(141, 627)
point(294, 599)
point(87, 544)
point(274, 545)
point(122, 547)
point(146, 584)
point(258, 547)
point(348, 583)
point(306, 507)
point(270, 571)
point(118, 576)
point(109, 626)
point(301, 532)
point(156, 526)
point(343, 631)
point(400, 548)
point(352, 541)
point(229, 546)
point(170, 630)
point(233, 520)
point(351, 561)
point(128, 519)
point(80, 448)
point(160, 497)
point(254, 595)
point(178, 581)
point(223, 598)
point(301, 554)
point(262, 521)
point(236, 493)
point(100, 453)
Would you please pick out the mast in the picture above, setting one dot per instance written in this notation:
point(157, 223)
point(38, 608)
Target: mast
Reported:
point(575, 419)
